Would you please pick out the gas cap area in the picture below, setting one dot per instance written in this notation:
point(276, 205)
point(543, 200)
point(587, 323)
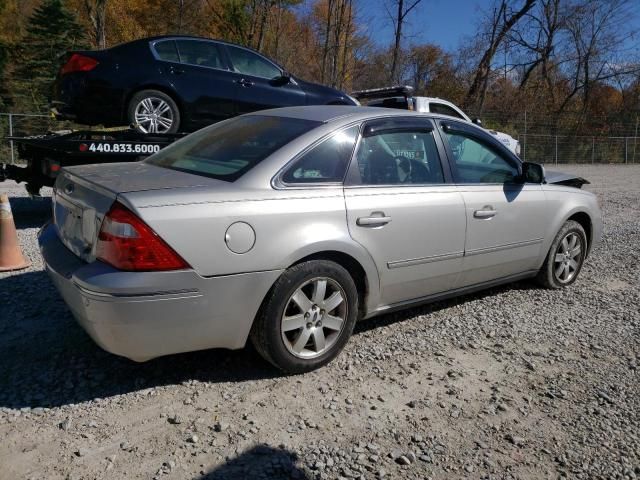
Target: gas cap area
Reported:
point(240, 237)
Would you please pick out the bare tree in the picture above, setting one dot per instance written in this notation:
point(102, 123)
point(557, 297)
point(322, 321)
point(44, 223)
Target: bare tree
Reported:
point(538, 39)
point(503, 19)
point(596, 34)
point(402, 10)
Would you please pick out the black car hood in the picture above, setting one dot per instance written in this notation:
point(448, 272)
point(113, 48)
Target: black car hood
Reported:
point(568, 179)
point(331, 94)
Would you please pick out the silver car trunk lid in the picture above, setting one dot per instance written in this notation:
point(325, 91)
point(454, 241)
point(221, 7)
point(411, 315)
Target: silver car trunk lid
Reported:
point(84, 194)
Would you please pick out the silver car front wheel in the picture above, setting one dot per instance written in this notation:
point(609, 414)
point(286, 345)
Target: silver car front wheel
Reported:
point(565, 257)
point(568, 258)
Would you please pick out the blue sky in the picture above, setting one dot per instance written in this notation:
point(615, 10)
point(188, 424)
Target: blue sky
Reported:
point(442, 22)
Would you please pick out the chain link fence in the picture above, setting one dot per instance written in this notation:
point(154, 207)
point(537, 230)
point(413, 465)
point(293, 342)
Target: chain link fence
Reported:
point(19, 125)
point(571, 137)
point(568, 149)
point(536, 144)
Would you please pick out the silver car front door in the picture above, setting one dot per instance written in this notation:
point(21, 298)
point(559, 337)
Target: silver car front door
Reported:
point(401, 208)
point(505, 218)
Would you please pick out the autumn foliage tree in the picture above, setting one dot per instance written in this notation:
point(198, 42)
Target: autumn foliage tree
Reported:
point(566, 60)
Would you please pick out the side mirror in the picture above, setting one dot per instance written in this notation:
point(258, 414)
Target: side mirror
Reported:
point(281, 80)
point(532, 173)
point(477, 121)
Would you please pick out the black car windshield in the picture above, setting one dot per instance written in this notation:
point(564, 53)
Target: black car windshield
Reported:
point(228, 150)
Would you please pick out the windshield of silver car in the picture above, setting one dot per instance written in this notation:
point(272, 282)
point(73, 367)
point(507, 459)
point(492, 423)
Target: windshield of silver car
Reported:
point(228, 150)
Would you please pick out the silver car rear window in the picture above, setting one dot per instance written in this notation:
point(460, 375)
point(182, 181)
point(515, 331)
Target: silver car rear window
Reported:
point(228, 150)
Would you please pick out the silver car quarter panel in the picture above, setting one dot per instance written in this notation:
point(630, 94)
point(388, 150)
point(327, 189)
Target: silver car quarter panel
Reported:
point(287, 224)
point(414, 233)
point(506, 227)
point(142, 315)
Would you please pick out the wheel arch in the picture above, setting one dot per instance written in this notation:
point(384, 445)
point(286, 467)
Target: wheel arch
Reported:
point(585, 221)
point(354, 258)
point(351, 265)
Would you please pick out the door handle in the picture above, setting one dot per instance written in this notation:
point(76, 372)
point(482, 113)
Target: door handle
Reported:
point(176, 70)
point(485, 212)
point(376, 219)
point(245, 83)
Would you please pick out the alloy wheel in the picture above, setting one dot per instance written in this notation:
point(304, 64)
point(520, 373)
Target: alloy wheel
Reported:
point(314, 317)
point(568, 258)
point(153, 115)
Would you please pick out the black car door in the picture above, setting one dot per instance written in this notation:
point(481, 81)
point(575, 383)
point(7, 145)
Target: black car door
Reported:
point(202, 79)
point(259, 82)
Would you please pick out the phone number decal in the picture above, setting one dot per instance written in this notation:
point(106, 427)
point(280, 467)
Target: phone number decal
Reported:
point(120, 148)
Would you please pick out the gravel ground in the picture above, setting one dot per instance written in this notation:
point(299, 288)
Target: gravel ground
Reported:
point(513, 382)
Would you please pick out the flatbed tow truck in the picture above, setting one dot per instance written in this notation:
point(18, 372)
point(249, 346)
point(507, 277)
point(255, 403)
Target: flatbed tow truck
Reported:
point(46, 154)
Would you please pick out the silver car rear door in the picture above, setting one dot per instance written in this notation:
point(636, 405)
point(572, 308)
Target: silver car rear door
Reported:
point(402, 209)
point(505, 219)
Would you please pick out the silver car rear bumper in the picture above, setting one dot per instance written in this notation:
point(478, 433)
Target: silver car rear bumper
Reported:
point(161, 313)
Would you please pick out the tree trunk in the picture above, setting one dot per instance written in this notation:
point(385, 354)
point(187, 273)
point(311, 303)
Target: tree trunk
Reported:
point(396, 46)
point(96, 10)
point(498, 33)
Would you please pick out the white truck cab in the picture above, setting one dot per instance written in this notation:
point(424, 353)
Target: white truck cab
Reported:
point(402, 98)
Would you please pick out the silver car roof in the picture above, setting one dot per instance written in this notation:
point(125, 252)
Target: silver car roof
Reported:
point(329, 113)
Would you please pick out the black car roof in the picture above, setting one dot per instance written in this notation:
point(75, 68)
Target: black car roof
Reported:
point(191, 37)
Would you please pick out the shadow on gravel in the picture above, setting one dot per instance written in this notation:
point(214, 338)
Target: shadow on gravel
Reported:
point(426, 309)
point(47, 360)
point(30, 212)
point(262, 461)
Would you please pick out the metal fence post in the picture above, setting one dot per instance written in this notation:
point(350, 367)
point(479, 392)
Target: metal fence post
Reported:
point(593, 150)
point(13, 160)
point(556, 149)
point(625, 149)
point(524, 145)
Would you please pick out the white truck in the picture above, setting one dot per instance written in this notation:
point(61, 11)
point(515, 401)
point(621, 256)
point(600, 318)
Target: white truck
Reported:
point(402, 98)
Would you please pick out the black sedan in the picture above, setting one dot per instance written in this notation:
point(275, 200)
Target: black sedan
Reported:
point(176, 83)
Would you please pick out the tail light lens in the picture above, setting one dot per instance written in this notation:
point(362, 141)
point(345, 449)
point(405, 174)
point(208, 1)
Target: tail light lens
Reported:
point(127, 243)
point(78, 63)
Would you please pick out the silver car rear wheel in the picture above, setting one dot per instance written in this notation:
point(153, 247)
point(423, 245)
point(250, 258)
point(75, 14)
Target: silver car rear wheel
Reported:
point(307, 317)
point(314, 317)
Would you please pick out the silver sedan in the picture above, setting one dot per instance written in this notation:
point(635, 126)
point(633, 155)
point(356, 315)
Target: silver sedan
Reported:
point(287, 226)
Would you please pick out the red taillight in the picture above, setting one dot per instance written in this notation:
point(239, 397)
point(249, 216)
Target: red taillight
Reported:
point(127, 243)
point(78, 63)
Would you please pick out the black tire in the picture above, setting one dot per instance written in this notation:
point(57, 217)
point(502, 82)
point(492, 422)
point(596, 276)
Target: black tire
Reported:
point(155, 96)
point(267, 335)
point(548, 275)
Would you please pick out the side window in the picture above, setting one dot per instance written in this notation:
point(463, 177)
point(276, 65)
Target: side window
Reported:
point(399, 158)
point(167, 51)
point(442, 109)
point(326, 162)
point(476, 163)
point(249, 63)
point(205, 54)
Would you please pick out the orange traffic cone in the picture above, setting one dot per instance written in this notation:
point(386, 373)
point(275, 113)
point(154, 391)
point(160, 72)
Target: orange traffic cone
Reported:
point(10, 255)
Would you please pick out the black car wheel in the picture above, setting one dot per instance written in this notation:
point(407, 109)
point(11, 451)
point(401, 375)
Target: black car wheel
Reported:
point(307, 318)
point(152, 111)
